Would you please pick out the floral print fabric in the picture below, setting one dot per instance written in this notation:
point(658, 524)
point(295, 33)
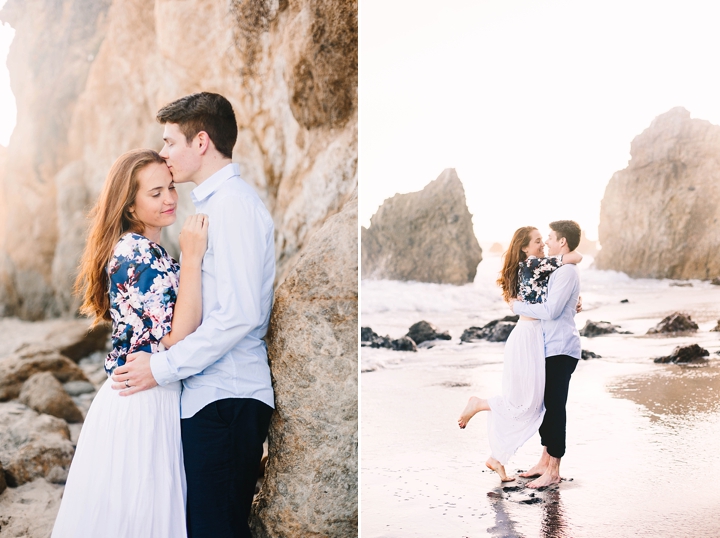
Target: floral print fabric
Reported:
point(143, 291)
point(533, 276)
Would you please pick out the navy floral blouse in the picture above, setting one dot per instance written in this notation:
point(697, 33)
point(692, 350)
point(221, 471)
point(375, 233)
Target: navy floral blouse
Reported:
point(533, 276)
point(143, 291)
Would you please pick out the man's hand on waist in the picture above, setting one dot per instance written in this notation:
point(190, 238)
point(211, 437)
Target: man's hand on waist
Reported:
point(135, 375)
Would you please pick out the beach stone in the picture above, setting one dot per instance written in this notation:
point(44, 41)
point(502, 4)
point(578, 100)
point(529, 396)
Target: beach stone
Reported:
point(75, 340)
point(29, 511)
point(18, 367)
point(598, 328)
point(585, 354)
point(3, 483)
point(716, 328)
point(423, 331)
point(311, 479)
point(625, 301)
point(669, 192)
point(404, 343)
point(425, 236)
point(369, 338)
point(32, 444)
point(497, 330)
point(685, 354)
point(674, 323)
point(43, 393)
point(76, 388)
point(715, 281)
point(290, 70)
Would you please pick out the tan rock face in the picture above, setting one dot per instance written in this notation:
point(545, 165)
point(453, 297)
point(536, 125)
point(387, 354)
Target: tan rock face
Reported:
point(32, 445)
point(18, 367)
point(660, 216)
point(310, 486)
point(89, 77)
point(43, 393)
point(425, 236)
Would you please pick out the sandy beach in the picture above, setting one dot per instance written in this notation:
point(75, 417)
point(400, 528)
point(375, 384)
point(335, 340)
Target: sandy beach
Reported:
point(642, 437)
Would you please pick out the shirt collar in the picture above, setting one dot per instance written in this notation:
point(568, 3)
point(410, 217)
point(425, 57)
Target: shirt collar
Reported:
point(211, 184)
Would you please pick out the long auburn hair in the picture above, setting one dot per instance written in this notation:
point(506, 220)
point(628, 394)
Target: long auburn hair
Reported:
point(111, 218)
point(508, 279)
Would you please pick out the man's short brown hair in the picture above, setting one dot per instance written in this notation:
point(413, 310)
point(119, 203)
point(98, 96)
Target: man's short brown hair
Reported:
point(569, 229)
point(204, 111)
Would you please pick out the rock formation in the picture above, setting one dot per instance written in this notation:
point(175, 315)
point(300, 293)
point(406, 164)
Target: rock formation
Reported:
point(675, 323)
point(310, 486)
point(660, 216)
point(598, 328)
point(423, 331)
point(43, 393)
point(88, 77)
point(685, 354)
point(498, 330)
point(425, 236)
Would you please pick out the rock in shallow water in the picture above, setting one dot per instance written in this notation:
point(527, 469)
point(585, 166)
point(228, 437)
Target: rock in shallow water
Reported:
point(685, 354)
point(497, 330)
point(674, 323)
point(404, 343)
point(585, 354)
point(425, 236)
point(423, 331)
point(598, 328)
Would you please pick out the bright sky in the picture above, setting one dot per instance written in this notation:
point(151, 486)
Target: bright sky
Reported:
point(534, 103)
point(7, 100)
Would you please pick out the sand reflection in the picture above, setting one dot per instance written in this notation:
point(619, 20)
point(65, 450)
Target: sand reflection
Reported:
point(680, 391)
point(510, 506)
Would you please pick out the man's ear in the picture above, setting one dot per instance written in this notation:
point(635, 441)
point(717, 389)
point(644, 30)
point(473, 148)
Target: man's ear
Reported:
point(202, 139)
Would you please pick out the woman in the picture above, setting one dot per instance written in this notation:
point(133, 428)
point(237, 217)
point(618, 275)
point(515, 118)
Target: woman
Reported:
point(517, 413)
point(127, 477)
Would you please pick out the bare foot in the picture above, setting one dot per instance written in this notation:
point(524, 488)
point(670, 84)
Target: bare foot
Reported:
point(474, 405)
point(547, 479)
point(536, 471)
point(499, 468)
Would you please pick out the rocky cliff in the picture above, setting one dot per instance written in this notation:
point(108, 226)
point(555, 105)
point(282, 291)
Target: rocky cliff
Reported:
point(425, 236)
point(89, 75)
point(659, 217)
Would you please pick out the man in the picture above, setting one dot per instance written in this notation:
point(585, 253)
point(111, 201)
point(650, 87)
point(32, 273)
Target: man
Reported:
point(227, 397)
point(562, 349)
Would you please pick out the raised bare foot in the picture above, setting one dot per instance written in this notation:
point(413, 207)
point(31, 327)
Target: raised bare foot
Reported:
point(474, 405)
point(499, 468)
point(547, 479)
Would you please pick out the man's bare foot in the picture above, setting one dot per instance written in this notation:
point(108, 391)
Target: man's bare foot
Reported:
point(536, 471)
point(547, 479)
point(499, 468)
point(474, 406)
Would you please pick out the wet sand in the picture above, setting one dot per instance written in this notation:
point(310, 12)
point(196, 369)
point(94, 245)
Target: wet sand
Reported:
point(643, 438)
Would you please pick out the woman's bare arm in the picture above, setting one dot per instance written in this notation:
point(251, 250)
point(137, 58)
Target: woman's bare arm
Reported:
point(187, 314)
point(572, 257)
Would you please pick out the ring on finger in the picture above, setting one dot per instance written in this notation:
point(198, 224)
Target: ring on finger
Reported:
point(126, 383)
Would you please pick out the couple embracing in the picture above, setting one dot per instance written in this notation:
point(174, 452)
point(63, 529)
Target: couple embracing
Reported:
point(541, 352)
point(172, 443)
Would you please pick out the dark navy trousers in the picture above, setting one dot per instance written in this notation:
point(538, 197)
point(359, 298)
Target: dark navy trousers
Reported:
point(558, 370)
point(222, 448)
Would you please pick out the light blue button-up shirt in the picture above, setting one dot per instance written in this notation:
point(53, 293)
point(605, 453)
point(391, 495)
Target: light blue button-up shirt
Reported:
point(557, 313)
point(226, 356)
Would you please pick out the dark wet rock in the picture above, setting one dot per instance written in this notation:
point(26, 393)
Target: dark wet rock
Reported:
point(511, 488)
point(716, 329)
point(497, 330)
point(423, 331)
point(369, 338)
point(531, 500)
point(404, 343)
point(43, 393)
point(715, 281)
point(685, 354)
point(674, 323)
point(585, 354)
point(598, 328)
point(3, 484)
point(681, 284)
point(625, 301)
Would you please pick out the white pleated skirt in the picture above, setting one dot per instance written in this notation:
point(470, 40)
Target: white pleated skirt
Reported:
point(517, 413)
point(127, 478)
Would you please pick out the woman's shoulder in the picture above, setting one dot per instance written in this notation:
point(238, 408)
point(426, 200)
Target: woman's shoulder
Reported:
point(133, 246)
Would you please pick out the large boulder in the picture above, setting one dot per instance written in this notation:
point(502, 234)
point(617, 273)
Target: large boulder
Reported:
point(660, 216)
point(498, 330)
point(310, 486)
point(88, 77)
point(423, 331)
point(425, 236)
point(599, 328)
point(685, 354)
point(675, 323)
point(32, 445)
point(17, 368)
point(43, 393)
point(29, 511)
